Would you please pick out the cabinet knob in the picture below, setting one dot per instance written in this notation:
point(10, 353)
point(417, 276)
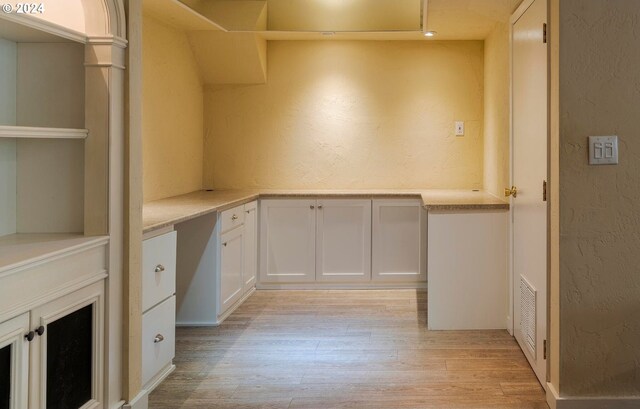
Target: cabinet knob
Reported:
point(30, 336)
point(40, 330)
point(320, 207)
point(312, 207)
point(159, 268)
point(224, 244)
point(234, 217)
point(248, 211)
point(158, 339)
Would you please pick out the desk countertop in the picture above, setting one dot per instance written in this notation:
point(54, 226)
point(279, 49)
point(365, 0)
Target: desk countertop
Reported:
point(166, 212)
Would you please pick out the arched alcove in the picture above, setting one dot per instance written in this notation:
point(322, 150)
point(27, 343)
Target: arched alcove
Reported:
point(93, 18)
point(104, 18)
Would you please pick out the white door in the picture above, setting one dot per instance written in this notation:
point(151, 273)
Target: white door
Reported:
point(14, 362)
point(529, 171)
point(287, 241)
point(251, 245)
point(343, 240)
point(231, 267)
point(399, 241)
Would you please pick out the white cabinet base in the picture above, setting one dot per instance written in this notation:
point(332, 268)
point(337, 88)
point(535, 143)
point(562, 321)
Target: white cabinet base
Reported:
point(468, 270)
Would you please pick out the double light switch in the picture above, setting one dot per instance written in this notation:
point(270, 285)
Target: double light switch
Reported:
point(603, 150)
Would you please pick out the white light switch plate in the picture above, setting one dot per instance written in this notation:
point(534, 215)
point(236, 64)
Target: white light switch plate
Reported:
point(603, 150)
point(459, 128)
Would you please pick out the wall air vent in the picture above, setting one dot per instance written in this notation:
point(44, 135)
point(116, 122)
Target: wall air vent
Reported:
point(528, 314)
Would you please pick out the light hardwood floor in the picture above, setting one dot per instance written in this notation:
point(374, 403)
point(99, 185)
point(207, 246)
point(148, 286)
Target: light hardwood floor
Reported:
point(344, 349)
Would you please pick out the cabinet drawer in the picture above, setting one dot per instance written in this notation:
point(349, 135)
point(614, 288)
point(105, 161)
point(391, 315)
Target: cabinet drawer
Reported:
point(158, 269)
point(158, 338)
point(232, 218)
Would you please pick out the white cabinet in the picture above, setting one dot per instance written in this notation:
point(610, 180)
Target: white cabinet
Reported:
point(55, 353)
point(215, 256)
point(159, 306)
point(158, 269)
point(158, 340)
point(231, 268)
point(287, 241)
point(251, 246)
point(343, 240)
point(335, 242)
point(468, 258)
point(399, 241)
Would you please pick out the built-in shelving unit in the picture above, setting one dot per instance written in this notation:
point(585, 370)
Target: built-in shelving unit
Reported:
point(42, 143)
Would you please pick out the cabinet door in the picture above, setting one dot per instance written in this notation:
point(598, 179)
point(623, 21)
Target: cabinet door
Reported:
point(287, 241)
point(399, 241)
point(231, 268)
point(66, 357)
point(14, 363)
point(343, 240)
point(251, 245)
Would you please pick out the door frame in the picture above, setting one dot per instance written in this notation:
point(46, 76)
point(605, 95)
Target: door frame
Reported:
point(517, 14)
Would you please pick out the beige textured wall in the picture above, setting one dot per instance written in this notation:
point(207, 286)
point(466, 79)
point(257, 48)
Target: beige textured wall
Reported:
point(172, 113)
point(351, 115)
point(599, 205)
point(496, 110)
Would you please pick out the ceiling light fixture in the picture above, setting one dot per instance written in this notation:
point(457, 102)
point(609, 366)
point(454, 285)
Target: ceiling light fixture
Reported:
point(430, 33)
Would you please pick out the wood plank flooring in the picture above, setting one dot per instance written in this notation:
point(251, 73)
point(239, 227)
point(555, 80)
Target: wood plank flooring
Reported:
point(344, 350)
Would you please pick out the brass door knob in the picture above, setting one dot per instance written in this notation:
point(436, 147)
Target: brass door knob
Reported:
point(511, 192)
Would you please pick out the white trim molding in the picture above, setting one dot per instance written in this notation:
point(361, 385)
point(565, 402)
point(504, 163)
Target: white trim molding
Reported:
point(42, 133)
point(45, 26)
point(589, 402)
point(141, 401)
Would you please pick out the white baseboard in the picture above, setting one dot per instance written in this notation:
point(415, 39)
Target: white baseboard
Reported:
point(339, 286)
point(141, 401)
point(161, 376)
point(587, 402)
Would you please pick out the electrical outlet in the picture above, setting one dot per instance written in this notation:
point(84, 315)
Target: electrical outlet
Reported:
point(459, 128)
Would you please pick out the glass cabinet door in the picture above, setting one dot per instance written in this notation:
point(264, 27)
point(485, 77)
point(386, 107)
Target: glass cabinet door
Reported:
point(14, 357)
point(68, 358)
point(5, 376)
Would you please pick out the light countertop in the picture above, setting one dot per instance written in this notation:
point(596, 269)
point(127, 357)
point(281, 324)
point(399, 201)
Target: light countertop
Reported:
point(166, 212)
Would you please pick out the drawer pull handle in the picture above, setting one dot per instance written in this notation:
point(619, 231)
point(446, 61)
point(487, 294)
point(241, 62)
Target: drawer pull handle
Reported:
point(158, 339)
point(320, 207)
point(159, 268)
point(224, 244)
point(248, 211)
point(234, 217)
point(312, 207)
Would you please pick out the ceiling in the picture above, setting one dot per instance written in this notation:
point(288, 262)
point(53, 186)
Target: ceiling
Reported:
point(402, 19)
point(467, 19)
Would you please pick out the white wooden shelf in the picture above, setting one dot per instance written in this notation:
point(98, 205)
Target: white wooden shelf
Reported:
point(19, 250)
point(26, 132)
